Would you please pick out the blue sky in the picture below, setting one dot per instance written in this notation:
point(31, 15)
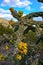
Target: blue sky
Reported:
point(27, 6)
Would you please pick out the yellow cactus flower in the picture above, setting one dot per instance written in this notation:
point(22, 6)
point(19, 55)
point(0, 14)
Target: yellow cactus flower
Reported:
point(25, 51)
point(25, 46)
point(19, 57)
point(6, 47)
point(22, 47)
point(1, 57)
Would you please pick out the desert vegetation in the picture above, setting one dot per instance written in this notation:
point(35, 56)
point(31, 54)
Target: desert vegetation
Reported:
point(22, 44)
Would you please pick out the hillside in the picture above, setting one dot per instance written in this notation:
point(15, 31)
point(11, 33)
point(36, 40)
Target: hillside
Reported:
point(5, 23)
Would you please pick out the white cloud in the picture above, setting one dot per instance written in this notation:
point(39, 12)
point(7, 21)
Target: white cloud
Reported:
point(7, 1)
point(4, 11)
point(16, 3)
point(41, 7)
point(6, 14)
point(37, 18)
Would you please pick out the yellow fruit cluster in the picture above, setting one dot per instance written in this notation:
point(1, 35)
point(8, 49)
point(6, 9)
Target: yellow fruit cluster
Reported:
point(1, 57)
point(11, 9)
point(22, 47)
point(20, 13)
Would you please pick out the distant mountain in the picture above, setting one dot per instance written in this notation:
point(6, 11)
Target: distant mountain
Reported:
point(5, 22)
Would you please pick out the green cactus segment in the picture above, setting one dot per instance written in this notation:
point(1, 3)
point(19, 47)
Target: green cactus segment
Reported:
point(34, 14)
point(41, 25)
